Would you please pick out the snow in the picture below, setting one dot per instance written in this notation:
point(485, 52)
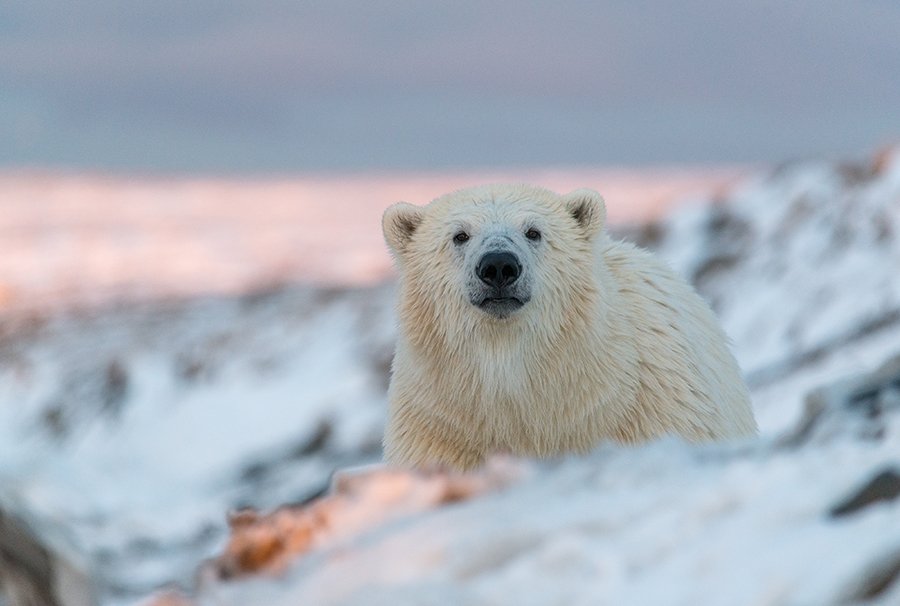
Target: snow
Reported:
point(810, 242)
point(662, 524)
point(153, 480)
point(128, 431)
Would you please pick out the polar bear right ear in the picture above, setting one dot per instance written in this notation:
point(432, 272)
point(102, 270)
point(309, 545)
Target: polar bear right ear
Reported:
point(399, 223)
point(588, 209)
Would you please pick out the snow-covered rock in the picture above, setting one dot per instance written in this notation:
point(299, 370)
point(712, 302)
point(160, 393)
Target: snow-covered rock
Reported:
point(797, 264)
point(132, 431)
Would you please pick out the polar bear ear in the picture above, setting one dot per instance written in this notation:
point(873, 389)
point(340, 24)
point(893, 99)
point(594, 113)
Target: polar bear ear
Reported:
point(588, 209)
point(399, 223)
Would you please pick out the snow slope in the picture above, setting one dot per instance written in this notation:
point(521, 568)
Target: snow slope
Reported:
point(818, 243)
point(136, 430)
point(662, 524)
point(798, 263)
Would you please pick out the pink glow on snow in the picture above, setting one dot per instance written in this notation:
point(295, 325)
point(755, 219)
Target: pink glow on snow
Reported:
point(93, 239)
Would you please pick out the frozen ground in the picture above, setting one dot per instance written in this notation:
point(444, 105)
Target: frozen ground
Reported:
point(136, 430)
point(127, 432)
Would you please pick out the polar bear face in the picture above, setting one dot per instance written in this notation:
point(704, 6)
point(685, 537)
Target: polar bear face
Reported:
point(496, 262)
point(494, 252)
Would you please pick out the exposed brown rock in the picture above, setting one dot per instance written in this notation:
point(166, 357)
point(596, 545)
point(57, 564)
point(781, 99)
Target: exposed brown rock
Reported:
point(359, 500)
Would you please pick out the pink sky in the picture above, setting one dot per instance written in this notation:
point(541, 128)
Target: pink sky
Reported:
point(94, 239)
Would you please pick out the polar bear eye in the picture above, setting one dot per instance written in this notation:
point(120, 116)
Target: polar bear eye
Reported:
point(461, 238)
point(533, 234)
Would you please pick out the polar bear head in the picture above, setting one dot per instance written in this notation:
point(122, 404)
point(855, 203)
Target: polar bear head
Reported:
point(495, 253)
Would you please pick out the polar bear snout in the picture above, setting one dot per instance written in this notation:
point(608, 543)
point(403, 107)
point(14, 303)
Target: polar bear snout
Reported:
point(498, 284)
point(499, 269)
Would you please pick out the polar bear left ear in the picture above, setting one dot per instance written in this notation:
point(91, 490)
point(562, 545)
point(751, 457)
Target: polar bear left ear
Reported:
point(399, 223)
point(588, 209)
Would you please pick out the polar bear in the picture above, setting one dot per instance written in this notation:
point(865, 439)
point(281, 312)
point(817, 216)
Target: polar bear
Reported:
point(526, 329)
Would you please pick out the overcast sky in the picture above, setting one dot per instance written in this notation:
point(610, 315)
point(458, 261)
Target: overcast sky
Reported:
point(281, 86)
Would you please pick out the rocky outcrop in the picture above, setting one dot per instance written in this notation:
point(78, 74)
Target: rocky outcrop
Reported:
point(358, 500)
point(796, 263)
point(132, 429)
point(33, 574)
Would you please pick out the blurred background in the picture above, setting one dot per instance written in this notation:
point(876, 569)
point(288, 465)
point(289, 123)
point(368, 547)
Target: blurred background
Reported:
point(132, 133)
point(196, 305)
point(287, 87)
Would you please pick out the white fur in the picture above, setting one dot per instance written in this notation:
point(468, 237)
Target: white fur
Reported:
point(611, 345)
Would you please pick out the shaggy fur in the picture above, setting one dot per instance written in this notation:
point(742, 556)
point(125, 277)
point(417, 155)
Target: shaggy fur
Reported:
point(610, 345)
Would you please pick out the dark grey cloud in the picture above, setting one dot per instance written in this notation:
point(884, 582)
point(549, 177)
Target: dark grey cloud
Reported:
point(355, 84)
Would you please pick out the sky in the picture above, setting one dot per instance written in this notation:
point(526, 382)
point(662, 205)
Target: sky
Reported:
point(354, 85)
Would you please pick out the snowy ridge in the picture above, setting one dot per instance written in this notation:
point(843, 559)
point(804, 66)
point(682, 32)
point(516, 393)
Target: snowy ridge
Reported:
point(796, 262)
point(133, 431)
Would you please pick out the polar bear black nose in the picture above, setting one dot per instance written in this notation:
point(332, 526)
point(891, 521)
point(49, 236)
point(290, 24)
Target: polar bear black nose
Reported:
point(498, 269)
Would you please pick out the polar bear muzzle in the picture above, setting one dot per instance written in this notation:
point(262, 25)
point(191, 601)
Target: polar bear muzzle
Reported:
point(498, 290)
